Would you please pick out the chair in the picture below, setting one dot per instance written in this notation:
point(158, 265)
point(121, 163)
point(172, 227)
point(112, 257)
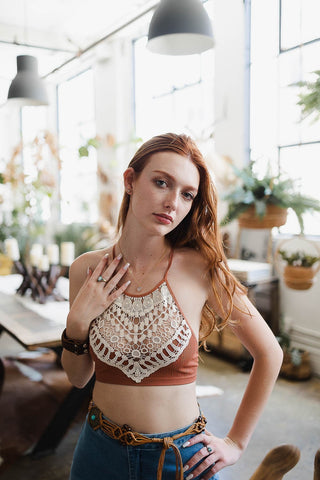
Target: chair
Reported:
point(277, 463)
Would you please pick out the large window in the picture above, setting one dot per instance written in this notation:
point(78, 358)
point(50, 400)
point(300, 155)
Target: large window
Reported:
point(173, 93)
point(78, 176)
point(285, 49)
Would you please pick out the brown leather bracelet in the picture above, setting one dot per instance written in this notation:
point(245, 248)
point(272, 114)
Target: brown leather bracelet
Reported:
point(74, 346)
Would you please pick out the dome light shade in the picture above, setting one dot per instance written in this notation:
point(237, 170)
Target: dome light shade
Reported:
point(27, 88)
point(180, 27)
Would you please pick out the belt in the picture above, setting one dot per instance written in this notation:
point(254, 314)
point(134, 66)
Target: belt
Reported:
point(127, 436)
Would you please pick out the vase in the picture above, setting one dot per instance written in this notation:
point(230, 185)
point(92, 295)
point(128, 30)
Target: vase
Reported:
point(274, 217)
point(298, 278)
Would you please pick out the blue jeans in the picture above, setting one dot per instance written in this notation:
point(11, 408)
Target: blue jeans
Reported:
point(97, 456)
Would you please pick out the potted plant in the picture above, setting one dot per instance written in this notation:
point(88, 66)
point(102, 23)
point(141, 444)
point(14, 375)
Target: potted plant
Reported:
point(299, 273)
point(262, 202)
point(296, 362)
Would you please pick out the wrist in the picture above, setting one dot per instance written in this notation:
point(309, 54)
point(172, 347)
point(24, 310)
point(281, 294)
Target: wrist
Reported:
point(78, 347)
point(76, 330)
point(233, 443)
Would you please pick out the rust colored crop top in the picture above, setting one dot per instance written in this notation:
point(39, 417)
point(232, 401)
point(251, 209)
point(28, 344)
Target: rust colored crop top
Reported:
point(144, 340)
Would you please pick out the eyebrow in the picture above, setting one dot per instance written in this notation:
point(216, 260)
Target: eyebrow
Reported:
point(188, 187)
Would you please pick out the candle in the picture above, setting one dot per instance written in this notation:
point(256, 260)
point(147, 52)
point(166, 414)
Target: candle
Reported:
point(67, 253)
point(44, 263)
point(53, 254)
point(36, 253)
point(12, 248)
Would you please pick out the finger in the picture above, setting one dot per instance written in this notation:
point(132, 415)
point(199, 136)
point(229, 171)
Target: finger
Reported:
point(89, 273)
point(206, 465)
point(212, 471)
point(199, 456)
point(219, 465)
point(113, 282)
point(109, 270)
point(100, 267)
point(114, 295)
point(200, 438)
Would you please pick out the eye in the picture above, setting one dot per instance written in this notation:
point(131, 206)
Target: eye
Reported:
point(161, 183)
point(188, 196)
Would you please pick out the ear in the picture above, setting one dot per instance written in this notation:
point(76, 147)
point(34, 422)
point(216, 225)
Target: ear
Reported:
point(128, 180)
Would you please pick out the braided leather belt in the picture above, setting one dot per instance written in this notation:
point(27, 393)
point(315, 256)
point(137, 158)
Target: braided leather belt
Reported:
point(127, 436)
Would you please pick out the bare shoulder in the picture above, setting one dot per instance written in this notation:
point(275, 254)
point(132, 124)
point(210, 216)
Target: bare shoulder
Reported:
point(88, 260)
point(190, 261)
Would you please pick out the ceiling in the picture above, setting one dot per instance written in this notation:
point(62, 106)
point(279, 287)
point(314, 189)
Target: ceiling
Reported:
point(60, 29)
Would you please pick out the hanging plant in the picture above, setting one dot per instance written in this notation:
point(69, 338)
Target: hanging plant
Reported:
point(300, 268)
point(263, 202)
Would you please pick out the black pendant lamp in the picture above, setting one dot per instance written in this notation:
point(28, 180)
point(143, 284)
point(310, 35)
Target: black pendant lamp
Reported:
point(27, 88)
point(180, 27)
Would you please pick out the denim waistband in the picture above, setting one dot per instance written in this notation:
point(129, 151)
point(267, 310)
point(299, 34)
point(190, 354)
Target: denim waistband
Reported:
point(125, 435)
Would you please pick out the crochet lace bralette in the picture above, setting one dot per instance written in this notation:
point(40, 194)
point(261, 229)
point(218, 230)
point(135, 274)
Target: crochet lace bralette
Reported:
point(144, 339)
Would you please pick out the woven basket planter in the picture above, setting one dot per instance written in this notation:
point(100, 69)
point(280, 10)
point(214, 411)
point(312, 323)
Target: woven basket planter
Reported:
point(274, 217)
point(296, 372)
point(298, 278)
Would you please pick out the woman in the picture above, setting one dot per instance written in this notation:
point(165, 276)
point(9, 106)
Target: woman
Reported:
point(143, 305)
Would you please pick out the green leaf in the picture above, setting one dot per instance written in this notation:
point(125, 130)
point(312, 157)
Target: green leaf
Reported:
point(83, 151)
point(94, 142)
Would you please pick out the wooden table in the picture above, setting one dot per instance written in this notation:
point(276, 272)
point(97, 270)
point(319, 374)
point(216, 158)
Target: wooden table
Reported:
point(33, 331)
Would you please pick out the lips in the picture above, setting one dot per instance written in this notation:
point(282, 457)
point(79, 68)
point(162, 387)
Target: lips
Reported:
point(163, 218)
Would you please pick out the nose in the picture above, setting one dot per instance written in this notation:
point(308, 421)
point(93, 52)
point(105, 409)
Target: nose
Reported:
point(171, 200)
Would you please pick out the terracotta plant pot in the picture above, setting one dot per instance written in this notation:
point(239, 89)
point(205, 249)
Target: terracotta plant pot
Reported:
point(298, 278)
point(275, 217)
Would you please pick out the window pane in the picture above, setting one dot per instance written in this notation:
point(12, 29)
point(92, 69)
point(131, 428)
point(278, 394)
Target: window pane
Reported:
point(289, 116)
point(299, 22)
point(310, 13)
point(290, 23)
point(298, 163)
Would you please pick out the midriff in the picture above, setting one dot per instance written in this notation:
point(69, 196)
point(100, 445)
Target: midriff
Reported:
point(148, 409)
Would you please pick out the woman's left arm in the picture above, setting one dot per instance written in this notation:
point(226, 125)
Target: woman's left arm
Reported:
point(258, 339)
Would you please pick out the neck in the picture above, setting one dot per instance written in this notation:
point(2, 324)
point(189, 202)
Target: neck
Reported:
point(141, 250)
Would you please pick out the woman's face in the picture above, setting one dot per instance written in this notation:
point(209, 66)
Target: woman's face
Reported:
point(163, 193)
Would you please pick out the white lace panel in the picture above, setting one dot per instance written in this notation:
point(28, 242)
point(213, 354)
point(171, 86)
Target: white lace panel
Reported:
point(139, 335)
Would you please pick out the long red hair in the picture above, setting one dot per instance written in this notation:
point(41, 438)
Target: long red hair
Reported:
point(199, 229)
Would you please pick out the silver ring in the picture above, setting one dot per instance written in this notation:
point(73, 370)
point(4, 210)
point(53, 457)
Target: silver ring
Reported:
point(101, 279)
point(209, 449)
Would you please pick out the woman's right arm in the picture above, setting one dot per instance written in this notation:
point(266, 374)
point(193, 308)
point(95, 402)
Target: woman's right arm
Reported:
point(88, 299)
